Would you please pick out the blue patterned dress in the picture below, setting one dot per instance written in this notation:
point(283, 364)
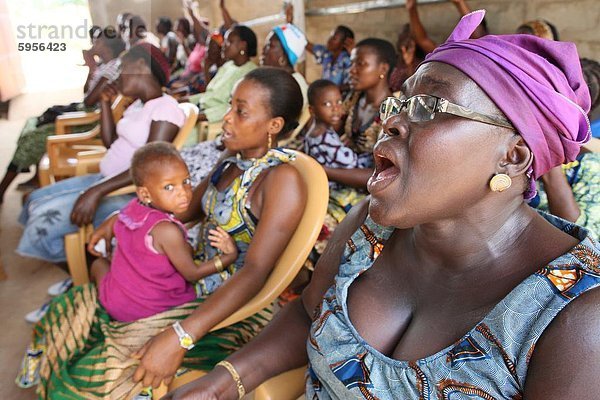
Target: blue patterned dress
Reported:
point(489, 362)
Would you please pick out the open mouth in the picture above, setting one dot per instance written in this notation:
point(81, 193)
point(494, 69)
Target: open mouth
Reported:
point(384, 174)
point(226, 135)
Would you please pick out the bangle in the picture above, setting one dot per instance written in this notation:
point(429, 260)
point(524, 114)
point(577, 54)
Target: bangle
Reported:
point(218, 263)
point(236, 377)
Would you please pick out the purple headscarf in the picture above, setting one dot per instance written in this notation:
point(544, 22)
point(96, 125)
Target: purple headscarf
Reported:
point(537, 83)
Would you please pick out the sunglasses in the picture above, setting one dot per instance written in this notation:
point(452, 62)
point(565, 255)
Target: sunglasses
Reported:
point(423, 107)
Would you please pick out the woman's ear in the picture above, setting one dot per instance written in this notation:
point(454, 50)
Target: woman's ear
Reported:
point(275, 125)
point(384, 69)
point(518, 158)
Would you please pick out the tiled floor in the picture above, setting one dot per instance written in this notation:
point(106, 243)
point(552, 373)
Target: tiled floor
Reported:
point(27, 279)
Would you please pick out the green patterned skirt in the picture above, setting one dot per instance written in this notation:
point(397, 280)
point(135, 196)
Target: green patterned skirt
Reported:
point(31, 144)
point(83, 354)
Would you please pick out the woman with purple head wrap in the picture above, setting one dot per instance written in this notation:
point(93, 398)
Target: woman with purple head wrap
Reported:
point(445, 284)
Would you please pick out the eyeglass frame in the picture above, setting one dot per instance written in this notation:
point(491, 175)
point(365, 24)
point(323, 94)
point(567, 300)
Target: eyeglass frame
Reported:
point(446, 107)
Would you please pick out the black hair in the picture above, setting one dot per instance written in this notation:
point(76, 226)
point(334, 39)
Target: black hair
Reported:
point(147, 156)
point(246, 35)
point(285, 96)
point(164, 25)
point(112, 40)
point(385, 51)
point(316, 88)
point(185, 24)
point(345, 31)
point(144, 51)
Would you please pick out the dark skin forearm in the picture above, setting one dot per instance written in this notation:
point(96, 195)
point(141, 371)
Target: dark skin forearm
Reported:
point(354, 177)
point(108, 128)
point(93, 94)
point(561, 201)
point(418, 30)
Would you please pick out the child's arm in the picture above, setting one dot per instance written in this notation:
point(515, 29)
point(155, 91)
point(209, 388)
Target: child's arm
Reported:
point(168, 240)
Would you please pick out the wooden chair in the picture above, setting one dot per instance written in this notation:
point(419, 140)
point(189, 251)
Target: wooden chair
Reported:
point(75, 242)
point(60, 160)
point(285, 270)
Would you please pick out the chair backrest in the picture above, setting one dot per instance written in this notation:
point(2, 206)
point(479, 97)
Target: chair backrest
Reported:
point(191, 115)
point(293, 257)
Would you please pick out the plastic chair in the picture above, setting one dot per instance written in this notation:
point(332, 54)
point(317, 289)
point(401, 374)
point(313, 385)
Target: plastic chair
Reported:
point(286, 268)
point(75, 242)
point(288, 385)
point(60, 160)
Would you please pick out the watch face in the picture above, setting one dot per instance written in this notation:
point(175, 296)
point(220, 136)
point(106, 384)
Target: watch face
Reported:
point(187, 341)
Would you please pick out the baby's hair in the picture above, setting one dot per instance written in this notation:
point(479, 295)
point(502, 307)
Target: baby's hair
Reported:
point(316, 88)
point(146, 158)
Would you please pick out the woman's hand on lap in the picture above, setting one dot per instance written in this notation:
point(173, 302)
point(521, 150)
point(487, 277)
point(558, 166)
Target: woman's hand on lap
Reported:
point(85, 207)
point(160, 358)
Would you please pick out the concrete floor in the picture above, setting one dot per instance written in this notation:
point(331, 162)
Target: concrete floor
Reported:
point(27, 280)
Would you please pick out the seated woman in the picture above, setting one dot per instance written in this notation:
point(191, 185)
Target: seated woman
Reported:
point(255, 197)
point(372, 63)
point(31, 144)
point(445, 283)
point(202, 157)
point(56, 210)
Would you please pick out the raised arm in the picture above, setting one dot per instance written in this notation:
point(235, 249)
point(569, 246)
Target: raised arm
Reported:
point(108, 128)
point(417, 29)
point(283, 199)
point(228, 22)
point(86, 205)
point(200, 31)
point(281, 346)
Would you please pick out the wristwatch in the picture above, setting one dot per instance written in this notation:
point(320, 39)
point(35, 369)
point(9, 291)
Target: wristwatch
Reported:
point(185, 339)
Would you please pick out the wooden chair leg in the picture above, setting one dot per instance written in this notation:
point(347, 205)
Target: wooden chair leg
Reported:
point(76, 259)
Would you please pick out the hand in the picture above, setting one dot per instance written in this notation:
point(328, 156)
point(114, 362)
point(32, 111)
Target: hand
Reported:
point(217, 384)
point(109, 92)
point(409, 4)
point(221, 240)
point(457, 1)
point(103, 232)
point(159, 359)
point(88, 58)
point(222, 3)
point(85, 207)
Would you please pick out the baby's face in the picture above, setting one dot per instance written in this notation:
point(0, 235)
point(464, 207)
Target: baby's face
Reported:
point(169, 187)
point(328, 107)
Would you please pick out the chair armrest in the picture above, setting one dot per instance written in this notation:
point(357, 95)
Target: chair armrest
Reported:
point(88, 160)
point(74, 137)
point(65, 121)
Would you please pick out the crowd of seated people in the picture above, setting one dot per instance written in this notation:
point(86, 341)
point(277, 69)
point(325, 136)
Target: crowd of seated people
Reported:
point(459, 171)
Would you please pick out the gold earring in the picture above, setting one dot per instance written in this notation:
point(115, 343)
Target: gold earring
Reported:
point(500, 182)
point(269, 141)
point(381, 76)
point(242, 52)
point(281, 61)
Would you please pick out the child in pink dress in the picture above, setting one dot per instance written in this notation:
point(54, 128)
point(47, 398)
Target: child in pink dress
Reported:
point(152, 266)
